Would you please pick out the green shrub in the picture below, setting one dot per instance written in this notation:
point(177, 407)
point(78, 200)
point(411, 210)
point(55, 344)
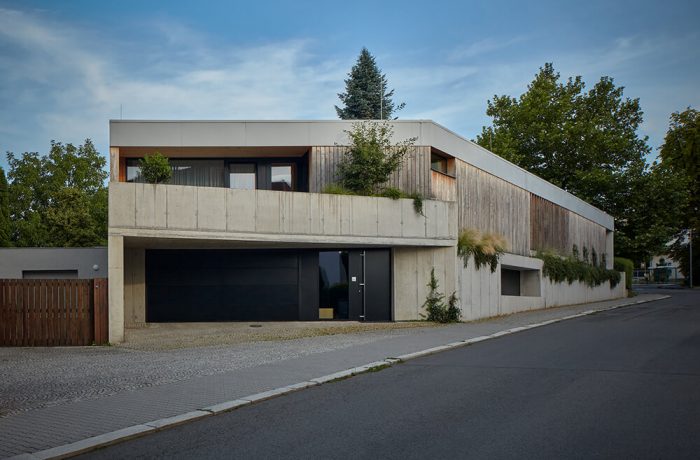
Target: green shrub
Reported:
point(371, 157)
point(621, 264)
point(155, 168)
point(486, 248)
point(435, 307)
point(393, 193)
point(569, 269)
point(336, 189)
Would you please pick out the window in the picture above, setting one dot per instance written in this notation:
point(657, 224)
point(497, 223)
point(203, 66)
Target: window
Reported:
point(282, 177)
point(517, 281)
point(438, 163)
point(202, 173)
point(510, 282)
point(133, 171)
point(242, 176)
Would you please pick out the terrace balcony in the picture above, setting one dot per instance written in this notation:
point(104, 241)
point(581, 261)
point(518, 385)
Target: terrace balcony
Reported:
point(267, 217)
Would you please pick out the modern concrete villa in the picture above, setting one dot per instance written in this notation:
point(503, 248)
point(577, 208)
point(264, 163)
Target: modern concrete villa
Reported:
point(243, 231)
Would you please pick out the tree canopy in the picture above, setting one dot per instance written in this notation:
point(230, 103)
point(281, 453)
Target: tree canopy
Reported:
point(586, 142)
point(366, 96)
point(681, 153)
point(59, 199)
point(5, 230)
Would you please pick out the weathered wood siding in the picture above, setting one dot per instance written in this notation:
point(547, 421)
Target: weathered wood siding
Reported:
point(412, 176)
point(549, 226)
point(442, 187)
point(585, 233)
point(490, 204)
point(555, 228)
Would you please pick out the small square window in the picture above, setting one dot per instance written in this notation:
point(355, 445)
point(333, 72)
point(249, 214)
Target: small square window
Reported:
point(282, 177)
point(438, 163)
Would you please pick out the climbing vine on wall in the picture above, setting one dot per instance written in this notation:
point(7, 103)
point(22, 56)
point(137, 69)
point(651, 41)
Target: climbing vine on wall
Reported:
point(559, 269)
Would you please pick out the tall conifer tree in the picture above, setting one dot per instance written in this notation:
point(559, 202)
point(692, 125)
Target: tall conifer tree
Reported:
point(366, 96)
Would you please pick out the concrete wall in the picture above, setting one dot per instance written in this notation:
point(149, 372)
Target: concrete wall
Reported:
point(171, 211)
point(15, 260)
point(134, 287)
point(115, 263)
point(480, 290)
point(411, 274)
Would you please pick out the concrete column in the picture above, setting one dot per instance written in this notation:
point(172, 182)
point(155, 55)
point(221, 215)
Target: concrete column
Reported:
point(134, 287)
point(114, 164)
point(609, 249)
point(116, 288)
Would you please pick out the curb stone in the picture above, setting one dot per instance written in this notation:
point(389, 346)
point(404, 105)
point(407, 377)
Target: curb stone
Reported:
point(114, 437)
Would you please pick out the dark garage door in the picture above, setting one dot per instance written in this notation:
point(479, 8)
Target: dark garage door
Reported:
point(222, 285)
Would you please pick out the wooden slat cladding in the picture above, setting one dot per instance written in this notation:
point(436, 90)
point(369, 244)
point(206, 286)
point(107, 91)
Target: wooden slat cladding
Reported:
point(442, 187)
point(549, 226)
point(52, 312)
point(555, 228)
point(413, 176)
point(490, 204)
point(585, 233)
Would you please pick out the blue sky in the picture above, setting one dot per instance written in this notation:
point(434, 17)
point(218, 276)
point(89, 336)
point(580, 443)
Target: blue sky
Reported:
point(67, 67)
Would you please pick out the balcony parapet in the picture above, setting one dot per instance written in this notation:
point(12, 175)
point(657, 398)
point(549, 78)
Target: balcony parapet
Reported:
point(174, 211)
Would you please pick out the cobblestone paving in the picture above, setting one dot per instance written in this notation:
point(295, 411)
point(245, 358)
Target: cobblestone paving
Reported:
point(32, 378)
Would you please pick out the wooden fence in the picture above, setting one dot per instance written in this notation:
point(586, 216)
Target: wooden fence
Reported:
point(56, 312)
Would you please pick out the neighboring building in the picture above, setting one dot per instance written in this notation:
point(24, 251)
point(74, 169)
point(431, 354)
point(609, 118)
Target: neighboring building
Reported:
point(53, 263)
point(244, 232)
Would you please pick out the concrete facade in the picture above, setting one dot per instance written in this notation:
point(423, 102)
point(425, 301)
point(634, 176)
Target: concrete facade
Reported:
point(146, 216)
point(87, 262)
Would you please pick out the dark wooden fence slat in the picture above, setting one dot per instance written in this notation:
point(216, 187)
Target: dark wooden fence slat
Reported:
point(53, 312)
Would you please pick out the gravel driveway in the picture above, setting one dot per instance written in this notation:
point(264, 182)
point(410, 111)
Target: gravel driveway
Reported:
point(31, 378)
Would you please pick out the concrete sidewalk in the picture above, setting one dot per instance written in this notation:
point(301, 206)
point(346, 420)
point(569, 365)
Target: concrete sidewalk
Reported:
point(267, 367)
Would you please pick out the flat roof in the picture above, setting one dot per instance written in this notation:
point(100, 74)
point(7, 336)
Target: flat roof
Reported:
point(290, 133)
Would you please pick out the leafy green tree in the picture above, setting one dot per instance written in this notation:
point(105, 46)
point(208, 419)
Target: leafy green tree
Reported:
point(155, 168)
point(5, 230)
point(47, 194)
point(366, 96)
point(586, 142)
point(371, 157)
point(681, 153)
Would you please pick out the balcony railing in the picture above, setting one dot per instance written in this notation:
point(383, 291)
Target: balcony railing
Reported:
point(173, 211)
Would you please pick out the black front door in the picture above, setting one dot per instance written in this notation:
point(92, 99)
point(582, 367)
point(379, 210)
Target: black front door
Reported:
point(370, 284)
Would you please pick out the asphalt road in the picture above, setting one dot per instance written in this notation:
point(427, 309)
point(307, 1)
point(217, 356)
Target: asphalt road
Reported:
point(619, 384)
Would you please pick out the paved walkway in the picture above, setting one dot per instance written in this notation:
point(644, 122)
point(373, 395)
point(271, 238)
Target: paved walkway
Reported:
point(50, 397)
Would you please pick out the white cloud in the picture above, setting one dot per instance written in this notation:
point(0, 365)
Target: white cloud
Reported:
point(64, 82)
point(73, 82)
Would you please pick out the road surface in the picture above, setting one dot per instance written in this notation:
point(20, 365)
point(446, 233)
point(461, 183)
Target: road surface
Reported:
point(619, 384)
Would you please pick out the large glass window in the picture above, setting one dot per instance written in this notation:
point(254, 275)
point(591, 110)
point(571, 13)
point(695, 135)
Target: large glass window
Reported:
point(333, 284)
point(242, 176)
point(202, 173)
point(282, 177)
